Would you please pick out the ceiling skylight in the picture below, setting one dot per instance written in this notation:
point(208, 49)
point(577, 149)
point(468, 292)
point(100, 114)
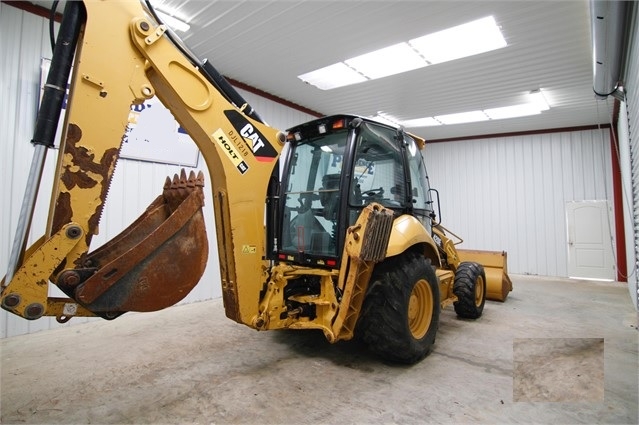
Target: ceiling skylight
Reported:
point(332, 76)
point(537, 98)
point(421, 122)
point(512, 111)
point(482, 35)
point(387, 61)
point(387, 119)
point(457, 42)
point(536, 104)
point(462, 117)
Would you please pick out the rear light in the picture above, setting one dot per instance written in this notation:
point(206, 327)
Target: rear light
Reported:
point(331, 263)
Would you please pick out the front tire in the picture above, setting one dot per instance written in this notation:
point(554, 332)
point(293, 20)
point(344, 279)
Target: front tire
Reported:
point(400, 315)
point(470, 288)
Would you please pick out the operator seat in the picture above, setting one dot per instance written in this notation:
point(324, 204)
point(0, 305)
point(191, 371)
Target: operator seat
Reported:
point(329, 195)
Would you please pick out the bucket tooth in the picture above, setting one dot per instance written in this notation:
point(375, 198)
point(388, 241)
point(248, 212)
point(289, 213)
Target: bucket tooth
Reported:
point(182, 184)
point(172, 194)
point(190, 183)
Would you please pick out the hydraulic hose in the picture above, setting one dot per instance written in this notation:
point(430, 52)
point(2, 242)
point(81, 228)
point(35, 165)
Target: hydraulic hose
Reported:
point(228, 90)
point(56, 85)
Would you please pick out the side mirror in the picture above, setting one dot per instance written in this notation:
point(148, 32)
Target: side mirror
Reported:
point(434, 216)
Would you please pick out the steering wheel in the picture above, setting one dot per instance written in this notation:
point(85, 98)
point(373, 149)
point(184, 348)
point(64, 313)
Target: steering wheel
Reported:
point(373, 193)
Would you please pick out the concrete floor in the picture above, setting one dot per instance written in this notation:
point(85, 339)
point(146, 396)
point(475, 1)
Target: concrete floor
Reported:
point(189, 364)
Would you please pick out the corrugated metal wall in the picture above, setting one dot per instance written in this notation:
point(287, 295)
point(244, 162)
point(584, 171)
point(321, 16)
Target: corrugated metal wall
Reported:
point(632, 106)
point(510, 193)
point(23, 42)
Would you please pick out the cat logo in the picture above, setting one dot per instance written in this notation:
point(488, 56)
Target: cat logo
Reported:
point(256, 141)
point(250, 133)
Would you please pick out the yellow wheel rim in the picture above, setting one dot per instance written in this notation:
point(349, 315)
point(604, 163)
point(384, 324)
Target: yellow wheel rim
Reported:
point(479, 291)
point(420, 309)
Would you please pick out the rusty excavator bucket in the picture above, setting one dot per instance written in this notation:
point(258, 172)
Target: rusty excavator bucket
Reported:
point(152, 264)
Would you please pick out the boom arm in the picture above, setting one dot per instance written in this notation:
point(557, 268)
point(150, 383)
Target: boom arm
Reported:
point(123, 58)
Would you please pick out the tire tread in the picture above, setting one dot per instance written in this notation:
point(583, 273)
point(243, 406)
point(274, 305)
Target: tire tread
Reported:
point(464, 288)
point(383, 322)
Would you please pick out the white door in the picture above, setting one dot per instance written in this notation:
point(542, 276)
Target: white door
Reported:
point(589, 241)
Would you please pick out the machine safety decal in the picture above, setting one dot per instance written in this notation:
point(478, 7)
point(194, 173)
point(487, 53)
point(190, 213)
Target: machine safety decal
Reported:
point(253, 138)
point(249, 249)
point(228, 148)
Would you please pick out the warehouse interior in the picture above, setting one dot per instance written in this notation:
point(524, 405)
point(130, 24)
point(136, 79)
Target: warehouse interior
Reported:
point(534, 186)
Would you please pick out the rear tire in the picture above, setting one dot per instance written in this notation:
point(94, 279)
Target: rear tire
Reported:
point(400, 315)
point(470, 288)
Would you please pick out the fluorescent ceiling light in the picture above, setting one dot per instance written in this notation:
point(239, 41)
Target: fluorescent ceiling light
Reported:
point(173, 22)
point(515, 111)
point(538, 99)
point(332, 76)
point(469, 39)
point(421, 122)
point(387, 119)
point(536, 105)
point(390, 60)
point(462, 117)
point(512, 111)
point(457, 42)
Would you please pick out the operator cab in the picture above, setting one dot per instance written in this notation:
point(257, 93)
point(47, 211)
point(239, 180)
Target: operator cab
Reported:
point(333, 168)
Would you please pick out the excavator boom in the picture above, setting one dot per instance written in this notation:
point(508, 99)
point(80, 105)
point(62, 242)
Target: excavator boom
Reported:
point(123, 56)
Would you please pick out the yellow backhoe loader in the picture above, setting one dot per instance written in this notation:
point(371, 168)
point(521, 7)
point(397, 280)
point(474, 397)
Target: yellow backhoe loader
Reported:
point(344, 241)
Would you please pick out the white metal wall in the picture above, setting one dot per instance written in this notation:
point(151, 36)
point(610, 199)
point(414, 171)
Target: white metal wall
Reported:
point(23, 42)
point(632, 106)
point(509, 193)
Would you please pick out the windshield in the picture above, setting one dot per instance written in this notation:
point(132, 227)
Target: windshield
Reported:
point(312, 196)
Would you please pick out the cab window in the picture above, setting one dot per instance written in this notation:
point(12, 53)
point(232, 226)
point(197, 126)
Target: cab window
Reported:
point(420, 194)
point(378, 172)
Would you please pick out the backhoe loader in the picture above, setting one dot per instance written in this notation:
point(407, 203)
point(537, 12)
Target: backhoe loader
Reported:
point(344, 241)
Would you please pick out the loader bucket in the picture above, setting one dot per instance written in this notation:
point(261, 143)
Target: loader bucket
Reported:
point(498, 283)
point(152, 264)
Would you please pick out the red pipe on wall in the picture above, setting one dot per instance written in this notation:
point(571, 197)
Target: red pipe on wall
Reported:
point(617, 195)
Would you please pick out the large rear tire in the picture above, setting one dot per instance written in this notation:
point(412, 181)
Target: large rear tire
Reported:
point(400, 315)
point(470, 288)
